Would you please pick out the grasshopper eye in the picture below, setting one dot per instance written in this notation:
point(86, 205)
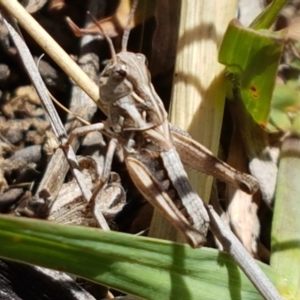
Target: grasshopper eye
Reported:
point(120, 71)
point(142, 58)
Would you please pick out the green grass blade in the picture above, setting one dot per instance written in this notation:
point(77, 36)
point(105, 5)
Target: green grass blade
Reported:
point(268, 16)
point(253, 58)
point(148, 268)
point(285, 255)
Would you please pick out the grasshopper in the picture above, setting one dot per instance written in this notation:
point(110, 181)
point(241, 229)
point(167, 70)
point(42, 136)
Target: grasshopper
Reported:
point(154, 150)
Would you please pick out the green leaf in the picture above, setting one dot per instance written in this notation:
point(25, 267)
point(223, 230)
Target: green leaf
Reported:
point(296, 125)
point(268, 16)
point(285, 98)
point(285, 103)
point(285, 242)
point(148, 268)
point(253, 57)
point(279, 121)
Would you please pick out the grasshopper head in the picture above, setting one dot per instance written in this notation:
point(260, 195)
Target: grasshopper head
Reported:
point(125, 89)
point(127, 72)
point(113, 84)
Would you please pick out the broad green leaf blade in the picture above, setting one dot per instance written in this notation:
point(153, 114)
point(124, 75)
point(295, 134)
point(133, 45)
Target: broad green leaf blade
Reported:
point(253, 57)
point(148, 268)
point(285, 255)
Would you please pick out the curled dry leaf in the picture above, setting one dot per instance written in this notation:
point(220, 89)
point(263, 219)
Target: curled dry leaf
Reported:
point(244, 222)
point(71, 208)
point(114, 25)
point(242, 209)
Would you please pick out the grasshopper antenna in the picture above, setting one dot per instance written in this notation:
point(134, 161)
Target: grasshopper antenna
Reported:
point(127, 28)
point(108, 39)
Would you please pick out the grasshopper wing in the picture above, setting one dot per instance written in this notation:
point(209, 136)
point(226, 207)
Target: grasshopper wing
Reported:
point(151, 190)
